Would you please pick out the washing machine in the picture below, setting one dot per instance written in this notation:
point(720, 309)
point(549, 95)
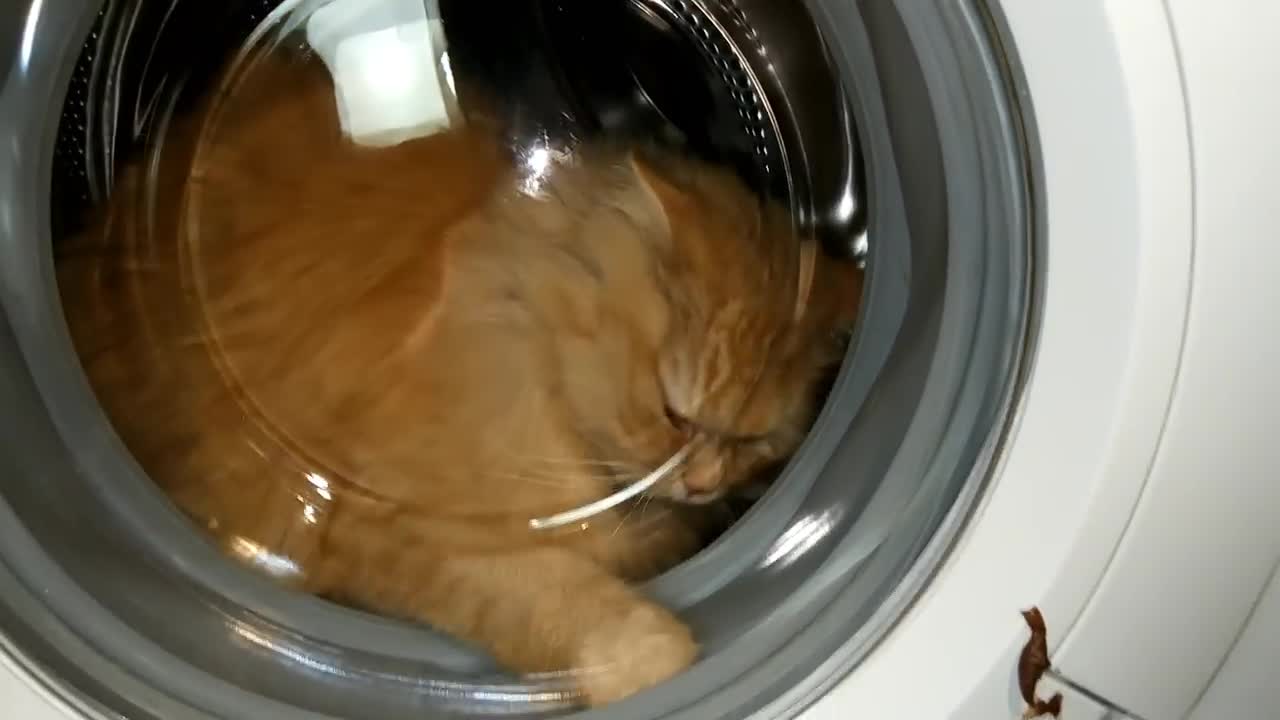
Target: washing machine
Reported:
point(1060, 394)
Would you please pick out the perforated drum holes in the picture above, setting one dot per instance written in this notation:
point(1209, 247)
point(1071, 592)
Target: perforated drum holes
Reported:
point(72, 192)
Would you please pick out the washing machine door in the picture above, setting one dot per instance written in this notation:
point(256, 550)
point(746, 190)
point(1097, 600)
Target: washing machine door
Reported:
point(1050, 361)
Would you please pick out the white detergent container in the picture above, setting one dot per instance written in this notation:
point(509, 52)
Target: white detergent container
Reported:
point(390, 68)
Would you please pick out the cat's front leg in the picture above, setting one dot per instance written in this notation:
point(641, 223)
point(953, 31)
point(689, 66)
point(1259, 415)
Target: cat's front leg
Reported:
point(551, 609)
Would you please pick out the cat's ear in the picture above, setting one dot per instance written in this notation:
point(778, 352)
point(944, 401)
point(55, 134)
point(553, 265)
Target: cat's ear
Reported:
point(668, 199)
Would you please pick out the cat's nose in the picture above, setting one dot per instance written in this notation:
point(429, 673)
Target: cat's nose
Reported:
point(704, 475)
point(680, 493)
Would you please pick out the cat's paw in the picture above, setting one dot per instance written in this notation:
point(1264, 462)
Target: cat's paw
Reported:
point(647, 647)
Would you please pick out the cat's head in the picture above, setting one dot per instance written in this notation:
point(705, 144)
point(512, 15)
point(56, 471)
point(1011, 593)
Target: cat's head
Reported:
point(719, 356)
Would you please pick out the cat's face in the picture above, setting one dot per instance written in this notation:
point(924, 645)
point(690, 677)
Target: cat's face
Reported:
point(710, 360)
point(732, 396)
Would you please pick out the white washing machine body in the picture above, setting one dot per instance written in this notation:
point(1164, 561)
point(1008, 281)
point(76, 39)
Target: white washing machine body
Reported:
point(1134, 499)
point(1135, 502)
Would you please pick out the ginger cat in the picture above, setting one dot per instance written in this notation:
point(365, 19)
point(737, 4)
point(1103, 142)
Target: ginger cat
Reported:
point(369, 370)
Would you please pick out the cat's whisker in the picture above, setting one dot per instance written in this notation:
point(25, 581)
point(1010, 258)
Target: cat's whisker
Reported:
point(657, 520)
point(550, 481)
point(593, 469)
point(613, 472)
point(547, 482)
point(609, 502)
point(626, 516)
point(571, 462)
point(572, 477)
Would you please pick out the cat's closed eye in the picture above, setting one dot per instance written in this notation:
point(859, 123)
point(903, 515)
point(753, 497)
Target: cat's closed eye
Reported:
point(761, 443)
point(678, 421)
